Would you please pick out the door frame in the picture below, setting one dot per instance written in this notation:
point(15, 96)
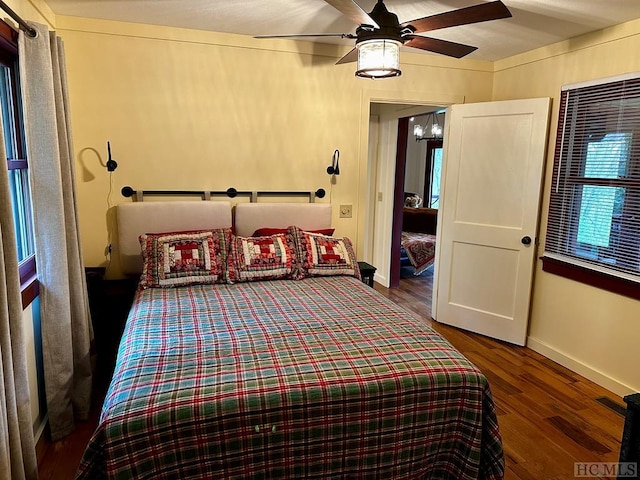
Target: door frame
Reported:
point(432, 145)
point(377, 215)
point(402, 138)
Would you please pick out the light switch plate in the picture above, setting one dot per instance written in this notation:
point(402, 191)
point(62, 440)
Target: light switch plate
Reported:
point(345, 211)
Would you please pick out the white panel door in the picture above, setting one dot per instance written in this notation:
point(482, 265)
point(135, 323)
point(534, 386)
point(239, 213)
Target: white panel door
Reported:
point(495, 156)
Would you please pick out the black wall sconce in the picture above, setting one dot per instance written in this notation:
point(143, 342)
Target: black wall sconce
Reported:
point(334, 168)
point(111, 163)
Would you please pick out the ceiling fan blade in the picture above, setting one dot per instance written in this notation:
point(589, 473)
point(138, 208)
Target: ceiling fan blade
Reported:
point(444, 47)
point(352, 56)
point(293, 35)
point(352, 10)
point(462, 16)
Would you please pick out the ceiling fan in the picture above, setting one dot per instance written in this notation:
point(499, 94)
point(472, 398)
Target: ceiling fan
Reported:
point(380, 34)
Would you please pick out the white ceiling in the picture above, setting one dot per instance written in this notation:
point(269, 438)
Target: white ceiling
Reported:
point(535, 23)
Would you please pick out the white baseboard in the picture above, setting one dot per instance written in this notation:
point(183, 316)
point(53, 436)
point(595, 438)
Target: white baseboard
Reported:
point(580, 368)
point(384, 281)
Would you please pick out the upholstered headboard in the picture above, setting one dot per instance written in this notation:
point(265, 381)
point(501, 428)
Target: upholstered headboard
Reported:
point(134, 219)
point(137, 218)
point(251, 216)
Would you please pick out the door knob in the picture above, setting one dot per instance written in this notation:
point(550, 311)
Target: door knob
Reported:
point(526, 240)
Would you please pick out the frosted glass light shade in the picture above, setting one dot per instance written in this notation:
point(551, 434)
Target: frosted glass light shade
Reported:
point(378, 58)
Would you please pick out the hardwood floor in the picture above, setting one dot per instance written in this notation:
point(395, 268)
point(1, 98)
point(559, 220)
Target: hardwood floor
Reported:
point(60, 460)
point(549, 416)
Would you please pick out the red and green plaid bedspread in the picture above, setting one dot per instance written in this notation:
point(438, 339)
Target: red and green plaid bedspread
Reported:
point(315, 379)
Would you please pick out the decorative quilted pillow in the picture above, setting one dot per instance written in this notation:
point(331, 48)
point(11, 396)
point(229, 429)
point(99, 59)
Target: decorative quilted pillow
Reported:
point(184, 258)
point(322, 255)
point(261, 258)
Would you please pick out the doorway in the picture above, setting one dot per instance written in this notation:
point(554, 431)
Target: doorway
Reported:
point(399, 164)
point(418, 177)
point(461, 286)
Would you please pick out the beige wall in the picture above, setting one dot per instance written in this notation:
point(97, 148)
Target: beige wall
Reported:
point(34, 10)
point(587, 329)
point(187, 109)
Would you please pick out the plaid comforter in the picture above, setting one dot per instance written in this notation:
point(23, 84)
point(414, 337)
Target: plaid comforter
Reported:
point(321, 378)
point(420, 249)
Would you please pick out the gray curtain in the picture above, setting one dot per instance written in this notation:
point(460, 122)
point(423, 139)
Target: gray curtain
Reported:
point(64, 310)
point(17, 447)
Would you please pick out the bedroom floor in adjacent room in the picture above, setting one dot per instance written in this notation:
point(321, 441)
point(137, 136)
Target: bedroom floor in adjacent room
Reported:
point(549, 417)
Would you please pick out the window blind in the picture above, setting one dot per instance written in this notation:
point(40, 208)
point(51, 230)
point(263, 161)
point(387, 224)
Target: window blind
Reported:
point(594, 211)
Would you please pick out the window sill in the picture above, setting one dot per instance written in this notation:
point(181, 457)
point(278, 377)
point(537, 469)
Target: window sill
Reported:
point(602, 280)
point(30, 289)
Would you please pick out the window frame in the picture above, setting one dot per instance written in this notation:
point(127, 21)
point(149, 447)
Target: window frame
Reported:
point(565, 177)
point(9, 57)
point(432, 146)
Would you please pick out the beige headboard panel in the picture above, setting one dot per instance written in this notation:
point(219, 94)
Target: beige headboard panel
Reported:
point(134, 219)
point(251, 216)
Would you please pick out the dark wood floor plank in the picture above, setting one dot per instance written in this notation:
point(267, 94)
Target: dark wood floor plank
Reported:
point(578, 434)
point(608, 424)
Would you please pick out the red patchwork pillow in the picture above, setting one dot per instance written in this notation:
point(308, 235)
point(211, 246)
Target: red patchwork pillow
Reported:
point(267, 257)
point(184, 258)
point(322, 255)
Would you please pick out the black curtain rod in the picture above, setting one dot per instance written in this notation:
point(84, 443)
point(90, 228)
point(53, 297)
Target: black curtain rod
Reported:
point(26, 27)
point(128, 191)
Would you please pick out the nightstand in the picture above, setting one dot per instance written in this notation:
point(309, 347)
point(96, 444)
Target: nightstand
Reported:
point(367, 272)
point(109, 303)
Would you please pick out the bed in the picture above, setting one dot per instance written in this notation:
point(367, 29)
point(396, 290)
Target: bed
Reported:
point(418, 241)
point(313, 377)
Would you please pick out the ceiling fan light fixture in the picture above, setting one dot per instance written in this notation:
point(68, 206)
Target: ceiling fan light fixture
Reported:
point(378, 58)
